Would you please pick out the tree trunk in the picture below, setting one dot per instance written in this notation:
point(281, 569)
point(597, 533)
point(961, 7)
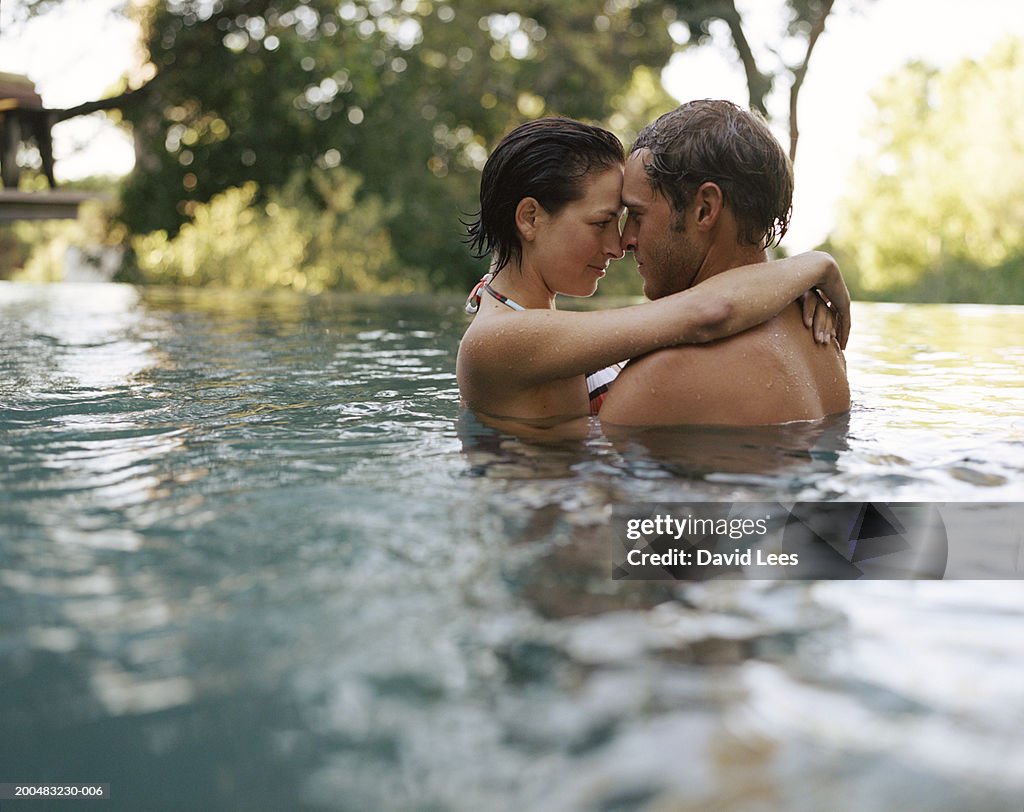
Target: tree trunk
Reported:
point(759, 85)
point(800, 73)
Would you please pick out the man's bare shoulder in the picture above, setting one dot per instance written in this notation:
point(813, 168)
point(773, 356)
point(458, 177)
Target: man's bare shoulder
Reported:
point(683, 384)
point(773, 373)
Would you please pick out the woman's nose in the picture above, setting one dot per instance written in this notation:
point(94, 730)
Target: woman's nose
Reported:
point(628, 240)
point(614, 249)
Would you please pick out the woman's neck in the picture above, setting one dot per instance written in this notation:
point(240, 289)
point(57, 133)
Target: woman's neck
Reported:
point(520, 285)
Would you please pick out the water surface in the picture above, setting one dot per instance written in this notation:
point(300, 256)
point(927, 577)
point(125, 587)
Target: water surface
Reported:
point(252, 555)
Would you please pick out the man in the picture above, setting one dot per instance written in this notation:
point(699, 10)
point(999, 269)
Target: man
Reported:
point(708, 188)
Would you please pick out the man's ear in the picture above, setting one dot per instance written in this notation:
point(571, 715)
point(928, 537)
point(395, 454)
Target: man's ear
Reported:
point(708, 204)
point(528, 214)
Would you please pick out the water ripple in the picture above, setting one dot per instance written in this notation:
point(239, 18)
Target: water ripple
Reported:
point(250, 536)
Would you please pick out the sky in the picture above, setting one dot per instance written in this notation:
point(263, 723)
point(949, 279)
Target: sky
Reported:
point(79, 53)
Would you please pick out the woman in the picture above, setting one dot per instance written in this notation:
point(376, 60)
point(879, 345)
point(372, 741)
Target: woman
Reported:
point(549, 219)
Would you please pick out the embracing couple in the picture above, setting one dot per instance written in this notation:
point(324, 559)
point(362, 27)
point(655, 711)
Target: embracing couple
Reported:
point(728, 338)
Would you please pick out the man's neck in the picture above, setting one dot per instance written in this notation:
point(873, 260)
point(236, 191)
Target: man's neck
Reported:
point(723, 258)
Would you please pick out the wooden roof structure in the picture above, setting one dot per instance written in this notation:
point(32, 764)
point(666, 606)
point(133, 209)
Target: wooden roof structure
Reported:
point(23, 116)
point(45, 205)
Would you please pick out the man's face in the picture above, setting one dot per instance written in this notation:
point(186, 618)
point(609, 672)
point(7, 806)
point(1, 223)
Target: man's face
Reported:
point(668, 259)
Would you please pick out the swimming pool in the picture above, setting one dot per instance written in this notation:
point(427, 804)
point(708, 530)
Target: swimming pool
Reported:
point(252, 555)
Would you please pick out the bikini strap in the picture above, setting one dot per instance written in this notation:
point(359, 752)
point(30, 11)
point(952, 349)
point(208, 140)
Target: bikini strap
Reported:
point(473, 300)
point(501, 297)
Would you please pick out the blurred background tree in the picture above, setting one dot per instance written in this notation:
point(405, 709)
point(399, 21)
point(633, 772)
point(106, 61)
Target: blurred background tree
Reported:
point(407, 97)
point(779, 66)
point(293, 240)
point(388, 108)
point(934, 210)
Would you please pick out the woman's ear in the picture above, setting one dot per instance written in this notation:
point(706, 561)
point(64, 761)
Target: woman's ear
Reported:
point(708, 203)
point(528, 213)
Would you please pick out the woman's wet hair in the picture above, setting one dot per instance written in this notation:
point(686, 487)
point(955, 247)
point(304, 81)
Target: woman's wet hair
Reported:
point(720, 142)
point(547, 159)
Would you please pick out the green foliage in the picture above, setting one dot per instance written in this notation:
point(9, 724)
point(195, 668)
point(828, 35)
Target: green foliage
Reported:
point(307, 242)
point(35, 250)
point(410, 95)
point(407, 94)
point(638, 104)
point(13, 252)
point(935, 211)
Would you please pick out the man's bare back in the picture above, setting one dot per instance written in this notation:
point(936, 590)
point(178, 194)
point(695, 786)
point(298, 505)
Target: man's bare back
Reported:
point(774, 373)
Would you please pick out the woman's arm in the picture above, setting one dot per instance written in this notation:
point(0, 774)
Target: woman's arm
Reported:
point(531, 347)
point(752, 299)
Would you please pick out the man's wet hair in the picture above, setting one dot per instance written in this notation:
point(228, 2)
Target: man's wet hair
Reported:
point(718, 141)
point(548, 159)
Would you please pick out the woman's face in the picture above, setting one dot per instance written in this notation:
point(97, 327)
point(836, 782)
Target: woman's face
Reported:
point(573, 247)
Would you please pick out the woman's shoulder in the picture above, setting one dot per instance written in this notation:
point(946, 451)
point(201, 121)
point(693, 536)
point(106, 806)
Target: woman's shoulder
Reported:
point(488, 331)
point(481, 339)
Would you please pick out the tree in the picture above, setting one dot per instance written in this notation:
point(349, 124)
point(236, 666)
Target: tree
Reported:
point(406, 95)
point(804, 25)
point(934, 209)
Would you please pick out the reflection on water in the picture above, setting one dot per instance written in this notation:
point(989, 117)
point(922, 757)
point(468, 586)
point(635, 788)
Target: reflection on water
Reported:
point(252, 555)
point(796, 452)
point(939, 394)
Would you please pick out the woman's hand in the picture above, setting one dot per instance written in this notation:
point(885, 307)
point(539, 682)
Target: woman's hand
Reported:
point(833, 290)
point(819, 318)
